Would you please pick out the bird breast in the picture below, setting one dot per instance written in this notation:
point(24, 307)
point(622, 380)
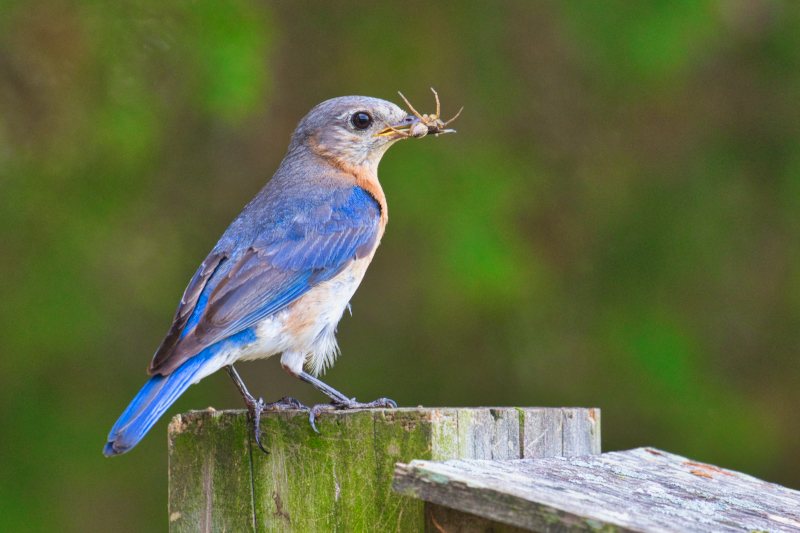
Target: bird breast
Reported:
point(308, 325)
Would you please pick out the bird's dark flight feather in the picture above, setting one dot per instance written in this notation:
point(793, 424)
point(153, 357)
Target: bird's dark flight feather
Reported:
point(243, 281)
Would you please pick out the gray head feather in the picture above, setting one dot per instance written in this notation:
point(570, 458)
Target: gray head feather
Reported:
point(329, 129)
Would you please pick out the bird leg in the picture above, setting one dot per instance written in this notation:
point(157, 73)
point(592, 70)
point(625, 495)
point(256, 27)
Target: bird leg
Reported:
point(338, 400)
point(256, 407)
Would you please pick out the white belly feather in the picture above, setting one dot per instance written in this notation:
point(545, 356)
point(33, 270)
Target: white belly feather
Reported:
point(305, 330)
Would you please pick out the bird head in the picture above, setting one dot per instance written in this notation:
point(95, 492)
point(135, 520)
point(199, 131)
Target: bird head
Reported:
point(353, 130)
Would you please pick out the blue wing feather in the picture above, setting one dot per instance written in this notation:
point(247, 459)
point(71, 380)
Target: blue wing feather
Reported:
point(308, 242)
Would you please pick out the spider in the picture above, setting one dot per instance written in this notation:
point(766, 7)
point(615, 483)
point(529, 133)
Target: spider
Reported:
point(427, 123)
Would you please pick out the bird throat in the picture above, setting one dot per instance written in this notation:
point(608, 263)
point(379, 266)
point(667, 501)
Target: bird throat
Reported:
point(366, 177)
point(364, 173)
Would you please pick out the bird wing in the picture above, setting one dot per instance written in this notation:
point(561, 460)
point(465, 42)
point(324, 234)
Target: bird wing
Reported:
point(234, 290)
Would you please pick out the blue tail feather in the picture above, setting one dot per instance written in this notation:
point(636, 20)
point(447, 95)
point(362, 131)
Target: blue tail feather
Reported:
point(161, 391)
point(152, 401)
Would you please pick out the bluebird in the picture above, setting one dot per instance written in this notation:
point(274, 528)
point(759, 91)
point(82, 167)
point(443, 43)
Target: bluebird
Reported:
point(282, 275)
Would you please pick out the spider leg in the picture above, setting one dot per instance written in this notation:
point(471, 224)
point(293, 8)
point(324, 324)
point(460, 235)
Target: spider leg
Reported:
point(410, 106)
point(438, 108)
point(404, 134)
point(455, 117)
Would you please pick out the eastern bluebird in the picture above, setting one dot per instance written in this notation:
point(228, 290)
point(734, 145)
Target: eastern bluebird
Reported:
point(281, 276)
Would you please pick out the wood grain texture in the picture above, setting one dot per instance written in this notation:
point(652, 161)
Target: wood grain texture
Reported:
point(557, 432)
point(644, 490)
point(339, 480)
point(209, 472)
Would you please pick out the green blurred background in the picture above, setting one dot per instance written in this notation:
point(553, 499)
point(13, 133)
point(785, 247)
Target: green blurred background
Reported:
point(616, 224)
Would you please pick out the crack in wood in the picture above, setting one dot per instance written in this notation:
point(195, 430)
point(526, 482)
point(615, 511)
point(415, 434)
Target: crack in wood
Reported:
point(252, 485)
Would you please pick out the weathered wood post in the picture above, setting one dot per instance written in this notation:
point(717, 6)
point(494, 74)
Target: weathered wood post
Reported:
point(643, 490)
point(340, 480)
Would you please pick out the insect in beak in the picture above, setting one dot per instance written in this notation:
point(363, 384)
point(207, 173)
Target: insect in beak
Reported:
point(417, 125)
point(404, 128)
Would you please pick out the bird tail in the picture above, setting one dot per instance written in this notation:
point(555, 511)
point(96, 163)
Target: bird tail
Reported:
point(153, 400)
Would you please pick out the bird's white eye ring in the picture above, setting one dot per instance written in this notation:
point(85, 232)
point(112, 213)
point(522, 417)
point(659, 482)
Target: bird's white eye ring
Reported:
point(361, 120)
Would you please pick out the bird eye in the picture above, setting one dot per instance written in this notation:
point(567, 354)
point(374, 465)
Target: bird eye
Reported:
point(362, 120)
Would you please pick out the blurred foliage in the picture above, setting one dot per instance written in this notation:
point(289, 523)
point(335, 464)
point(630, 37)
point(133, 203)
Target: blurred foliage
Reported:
point(615, 225)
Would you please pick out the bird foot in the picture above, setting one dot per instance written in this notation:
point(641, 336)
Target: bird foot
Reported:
point(338, 405)
point(256, 407)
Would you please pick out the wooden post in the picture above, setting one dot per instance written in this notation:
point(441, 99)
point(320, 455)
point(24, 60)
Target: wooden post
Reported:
point(643, 490)
point(340, 479)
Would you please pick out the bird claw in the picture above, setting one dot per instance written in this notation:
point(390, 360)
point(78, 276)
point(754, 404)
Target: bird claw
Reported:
point(256, 407)
point(286, 404)
point(349, 404)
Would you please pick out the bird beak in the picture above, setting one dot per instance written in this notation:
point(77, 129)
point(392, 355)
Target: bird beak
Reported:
point(403, 128)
